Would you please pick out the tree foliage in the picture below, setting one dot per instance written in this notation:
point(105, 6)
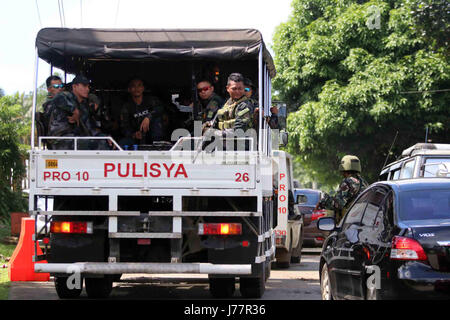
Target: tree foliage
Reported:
point(353, 73)
point(14, 129)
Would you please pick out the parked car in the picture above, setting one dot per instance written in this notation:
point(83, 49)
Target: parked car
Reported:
point(420, 160)
point(306, 202)
point(396, 234)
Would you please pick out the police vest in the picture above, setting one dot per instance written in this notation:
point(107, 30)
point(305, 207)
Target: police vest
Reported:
point(228, 114)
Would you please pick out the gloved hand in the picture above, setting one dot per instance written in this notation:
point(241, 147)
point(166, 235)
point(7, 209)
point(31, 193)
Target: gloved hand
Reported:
point(324, 201)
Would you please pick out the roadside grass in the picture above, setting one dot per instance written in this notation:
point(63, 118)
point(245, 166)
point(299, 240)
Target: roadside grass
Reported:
point(6, 251)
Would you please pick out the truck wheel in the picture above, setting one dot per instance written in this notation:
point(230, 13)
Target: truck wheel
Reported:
point(222, 287)
point(253, 287)
point(63, 291)
point(297, 253)
point(267, 271)
point(98, 288)
point(284, 257)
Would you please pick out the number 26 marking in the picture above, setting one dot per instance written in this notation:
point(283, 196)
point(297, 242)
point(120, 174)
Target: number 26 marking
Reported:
point(242, 177)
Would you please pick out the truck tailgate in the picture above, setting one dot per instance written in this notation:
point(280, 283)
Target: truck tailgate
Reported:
point(137, 170)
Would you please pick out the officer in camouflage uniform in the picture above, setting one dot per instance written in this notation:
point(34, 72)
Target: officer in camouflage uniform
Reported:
point(69, 115)
point(142, 117)
point(237, 113)
point(210, 101)
point(54, 86)
point(352, 185)
point(249, 92)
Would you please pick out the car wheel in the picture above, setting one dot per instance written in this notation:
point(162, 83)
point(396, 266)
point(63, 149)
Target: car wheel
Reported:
point(63, 291)
point(325, 284)
point(98, 288)
point(222, 287)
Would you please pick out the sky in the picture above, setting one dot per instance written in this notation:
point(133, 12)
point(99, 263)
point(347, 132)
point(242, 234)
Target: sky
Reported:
point(20, 21)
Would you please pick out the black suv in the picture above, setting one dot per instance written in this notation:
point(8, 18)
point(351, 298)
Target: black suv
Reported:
point(394, 242)
point(421, 160)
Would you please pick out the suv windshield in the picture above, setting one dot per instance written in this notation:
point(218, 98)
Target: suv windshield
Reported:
point(435, 167)
point(425, 204)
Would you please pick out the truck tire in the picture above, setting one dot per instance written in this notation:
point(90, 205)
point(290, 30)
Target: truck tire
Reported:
point(63, 291)
point(297, 252)
point(253, 287)
point(222, 287)
point(284, 264)
point(267, 271)
point(284, 257)
point(98, 288)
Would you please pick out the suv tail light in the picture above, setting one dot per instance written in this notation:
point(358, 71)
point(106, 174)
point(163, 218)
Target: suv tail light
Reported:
point(71, 227)
point(318, 214)
point(219, 228)
point(404, 248)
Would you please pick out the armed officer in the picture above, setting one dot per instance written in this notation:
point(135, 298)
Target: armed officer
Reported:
point(54, 86)
point(237, 113)
point(210, 101)
point(69, 114)
point(142, 117)
point(351, 186)
point(250, 93)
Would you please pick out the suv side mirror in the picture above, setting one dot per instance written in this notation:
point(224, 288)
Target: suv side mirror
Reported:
point(326, 224)
point(283, 138)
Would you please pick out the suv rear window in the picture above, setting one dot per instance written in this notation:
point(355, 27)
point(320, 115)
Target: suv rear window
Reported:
point(425, 204)
point(434, 166)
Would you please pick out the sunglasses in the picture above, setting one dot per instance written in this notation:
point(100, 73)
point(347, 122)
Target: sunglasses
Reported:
point(204, 89)
point(57, 86)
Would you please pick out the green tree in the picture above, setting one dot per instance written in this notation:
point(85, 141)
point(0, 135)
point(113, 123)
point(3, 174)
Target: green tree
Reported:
point(13, 128)
point(432, 18)
point(353, 73)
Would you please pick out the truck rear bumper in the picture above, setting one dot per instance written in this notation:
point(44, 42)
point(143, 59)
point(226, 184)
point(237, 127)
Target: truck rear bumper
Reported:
point(128, 267)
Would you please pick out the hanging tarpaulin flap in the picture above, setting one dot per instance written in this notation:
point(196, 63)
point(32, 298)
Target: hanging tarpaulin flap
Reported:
point(66, 48)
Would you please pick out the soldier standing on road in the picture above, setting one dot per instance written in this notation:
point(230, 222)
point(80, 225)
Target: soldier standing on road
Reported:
point(352, 185)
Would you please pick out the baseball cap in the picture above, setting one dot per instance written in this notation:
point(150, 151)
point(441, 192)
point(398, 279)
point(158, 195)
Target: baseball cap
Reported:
point(81, 79)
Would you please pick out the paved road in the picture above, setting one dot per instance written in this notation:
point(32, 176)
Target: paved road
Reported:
point(299, 282)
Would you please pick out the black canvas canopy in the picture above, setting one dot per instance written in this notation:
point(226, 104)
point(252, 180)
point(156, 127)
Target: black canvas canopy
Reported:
point(67, 49)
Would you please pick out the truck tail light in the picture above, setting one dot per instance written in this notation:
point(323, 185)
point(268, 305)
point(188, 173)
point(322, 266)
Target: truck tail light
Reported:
point(71, 227)
point(404, 248)
point(219, 228)
point(318, 214)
